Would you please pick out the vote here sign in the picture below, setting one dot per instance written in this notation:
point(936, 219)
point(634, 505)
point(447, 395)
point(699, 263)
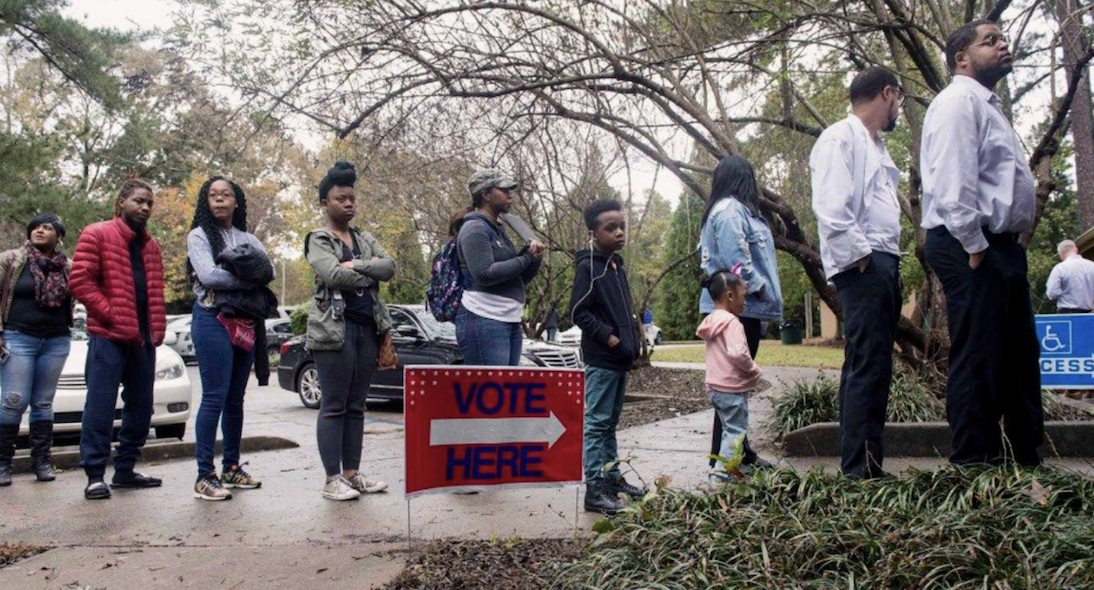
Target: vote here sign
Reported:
point(472, 427)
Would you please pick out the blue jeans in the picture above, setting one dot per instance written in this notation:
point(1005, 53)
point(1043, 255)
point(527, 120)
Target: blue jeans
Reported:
point(224, 371)
point(29, 378)
point(110, 365)
point(604, 393)
point(486, 342)
point(732, 409)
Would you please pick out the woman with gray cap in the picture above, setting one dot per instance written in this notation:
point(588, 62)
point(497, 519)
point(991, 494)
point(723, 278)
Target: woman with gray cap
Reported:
point(488, 323)
point(35, 318)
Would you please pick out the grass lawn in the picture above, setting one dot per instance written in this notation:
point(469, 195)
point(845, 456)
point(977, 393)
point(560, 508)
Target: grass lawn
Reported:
point(772, 354)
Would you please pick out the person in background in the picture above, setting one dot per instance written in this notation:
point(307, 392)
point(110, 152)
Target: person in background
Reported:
point(734, 231)
point(551, 323)
point(35, 322)
point(731, 374)
point(978, 197)
point(858, 221)
point(117, 273)
point(1071, 282)
point(345, 324)
point(610, 343)
point(224, 361)
point(488, 323)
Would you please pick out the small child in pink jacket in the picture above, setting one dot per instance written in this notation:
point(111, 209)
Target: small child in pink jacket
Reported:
point(731, 373)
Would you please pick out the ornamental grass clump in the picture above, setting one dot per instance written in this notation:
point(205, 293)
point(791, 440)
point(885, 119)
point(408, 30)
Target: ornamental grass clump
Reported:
point(805, 403)
point(1005, 528)
point(811, 402)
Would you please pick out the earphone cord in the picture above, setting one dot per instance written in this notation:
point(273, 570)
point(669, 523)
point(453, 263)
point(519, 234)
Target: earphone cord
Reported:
point(592, 281)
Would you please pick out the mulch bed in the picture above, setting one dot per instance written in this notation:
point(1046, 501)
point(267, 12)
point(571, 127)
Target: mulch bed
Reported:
point(506, 564)
point(13, 552)
point(681, 391)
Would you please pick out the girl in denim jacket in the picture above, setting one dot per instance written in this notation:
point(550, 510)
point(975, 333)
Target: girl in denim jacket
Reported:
point(734, 233)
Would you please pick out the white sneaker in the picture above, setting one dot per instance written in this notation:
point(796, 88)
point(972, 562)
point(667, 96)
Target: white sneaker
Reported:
point(340, 489)
point(366, 486)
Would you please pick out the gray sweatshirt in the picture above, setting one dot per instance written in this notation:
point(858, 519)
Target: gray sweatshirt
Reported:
point(211, 277)
point(489, 258)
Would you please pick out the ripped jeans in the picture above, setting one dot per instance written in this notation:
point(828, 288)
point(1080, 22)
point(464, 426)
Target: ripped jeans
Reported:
point(29, 377)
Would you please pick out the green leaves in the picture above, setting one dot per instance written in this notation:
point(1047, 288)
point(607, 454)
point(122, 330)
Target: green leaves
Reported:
point(1004, 527)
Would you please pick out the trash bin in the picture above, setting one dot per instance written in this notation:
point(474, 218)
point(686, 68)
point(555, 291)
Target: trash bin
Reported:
point(790, 332)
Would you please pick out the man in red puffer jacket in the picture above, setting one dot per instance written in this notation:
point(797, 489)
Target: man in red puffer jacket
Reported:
point(117, 273)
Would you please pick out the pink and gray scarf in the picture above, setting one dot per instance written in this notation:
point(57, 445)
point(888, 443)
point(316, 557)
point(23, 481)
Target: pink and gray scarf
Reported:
point(50, 283)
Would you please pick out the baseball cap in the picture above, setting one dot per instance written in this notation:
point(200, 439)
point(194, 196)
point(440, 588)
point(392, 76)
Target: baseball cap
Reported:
point(488, 178)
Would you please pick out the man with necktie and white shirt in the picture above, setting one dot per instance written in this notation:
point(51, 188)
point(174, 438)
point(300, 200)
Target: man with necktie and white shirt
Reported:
point(1071, 283)
point(978, 196)
point(858, 220)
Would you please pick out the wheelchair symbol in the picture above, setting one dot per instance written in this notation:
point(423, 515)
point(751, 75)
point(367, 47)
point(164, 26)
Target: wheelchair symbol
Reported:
point(1051, 342)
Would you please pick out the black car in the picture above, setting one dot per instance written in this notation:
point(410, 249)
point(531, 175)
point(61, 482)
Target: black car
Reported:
point(420, 340)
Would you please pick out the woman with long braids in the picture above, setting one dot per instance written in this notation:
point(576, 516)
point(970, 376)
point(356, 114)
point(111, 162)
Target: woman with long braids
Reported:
point(345, 324)
point(735, 235)
point(35, 316)
point(220, 340)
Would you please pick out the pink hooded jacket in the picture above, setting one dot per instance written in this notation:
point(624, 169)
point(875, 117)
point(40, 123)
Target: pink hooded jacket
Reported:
point(730, 368)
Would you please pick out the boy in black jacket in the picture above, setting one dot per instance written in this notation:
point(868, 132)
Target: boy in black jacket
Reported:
point(601, 306)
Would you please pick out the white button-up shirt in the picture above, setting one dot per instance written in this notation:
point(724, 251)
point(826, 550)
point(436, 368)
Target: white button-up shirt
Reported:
point(854, 195)
point(975, 174)
point(1071, 283)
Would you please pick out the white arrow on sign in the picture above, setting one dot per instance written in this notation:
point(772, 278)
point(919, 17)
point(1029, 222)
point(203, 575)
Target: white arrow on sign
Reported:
point(481, 431)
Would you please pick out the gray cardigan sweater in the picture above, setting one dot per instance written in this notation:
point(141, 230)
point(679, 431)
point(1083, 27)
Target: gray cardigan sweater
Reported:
point(489, 259)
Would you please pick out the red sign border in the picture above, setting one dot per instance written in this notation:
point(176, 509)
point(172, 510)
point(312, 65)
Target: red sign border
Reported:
point(492, 487)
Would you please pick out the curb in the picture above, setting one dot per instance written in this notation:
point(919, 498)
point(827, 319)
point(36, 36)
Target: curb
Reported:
point(932, 439)
point(68, 458)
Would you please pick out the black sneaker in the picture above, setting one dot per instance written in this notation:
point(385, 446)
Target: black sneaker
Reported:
point(757, 462)
point(601, 498)
point(132, 479)
point(621, 486)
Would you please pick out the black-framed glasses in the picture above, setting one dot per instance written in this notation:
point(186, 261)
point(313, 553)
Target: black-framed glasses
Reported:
point(900, 95)
point(993, 39)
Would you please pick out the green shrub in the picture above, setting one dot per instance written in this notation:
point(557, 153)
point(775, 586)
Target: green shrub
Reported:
point(805, 403)
point(910, 400)
point(994, 528)
point(810, 402)
point(299, 319)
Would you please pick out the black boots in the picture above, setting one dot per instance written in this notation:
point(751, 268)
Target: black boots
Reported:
point(601, 496)
point(8, 434)
point(41, 441)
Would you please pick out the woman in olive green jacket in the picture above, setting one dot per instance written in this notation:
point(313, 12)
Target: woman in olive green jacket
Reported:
point(345, 325)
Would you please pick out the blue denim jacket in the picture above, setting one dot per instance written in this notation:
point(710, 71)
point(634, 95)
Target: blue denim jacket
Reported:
point(732, 235)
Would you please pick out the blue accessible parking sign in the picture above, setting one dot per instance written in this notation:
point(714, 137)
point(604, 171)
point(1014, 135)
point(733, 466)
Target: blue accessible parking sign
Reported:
point(1067, 350)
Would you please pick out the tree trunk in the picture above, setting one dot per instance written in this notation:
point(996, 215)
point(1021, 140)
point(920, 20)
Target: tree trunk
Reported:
point(1082, 118)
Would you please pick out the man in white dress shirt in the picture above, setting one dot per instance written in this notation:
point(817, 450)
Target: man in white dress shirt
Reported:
point(858, 220)
point(1071, 283)
point(978, 195)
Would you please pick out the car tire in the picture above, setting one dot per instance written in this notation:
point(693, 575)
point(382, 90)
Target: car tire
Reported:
point(307, 386)
point(171, 431)
point(659, 339)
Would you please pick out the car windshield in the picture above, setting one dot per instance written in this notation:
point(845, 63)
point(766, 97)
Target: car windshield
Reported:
point(442, 330)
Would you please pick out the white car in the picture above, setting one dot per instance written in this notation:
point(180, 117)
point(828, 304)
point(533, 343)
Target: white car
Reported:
point(182, 344)
point(572, 337)
point(171, 393)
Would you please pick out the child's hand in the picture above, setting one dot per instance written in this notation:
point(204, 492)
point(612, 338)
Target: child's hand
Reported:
point(613, 341)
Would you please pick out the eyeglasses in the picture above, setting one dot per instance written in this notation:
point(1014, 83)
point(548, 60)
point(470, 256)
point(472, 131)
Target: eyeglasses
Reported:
point(992, 40)
point(900, 96)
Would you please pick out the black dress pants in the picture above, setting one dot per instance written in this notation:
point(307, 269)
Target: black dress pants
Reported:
point(994, 354)
point(871, 308)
